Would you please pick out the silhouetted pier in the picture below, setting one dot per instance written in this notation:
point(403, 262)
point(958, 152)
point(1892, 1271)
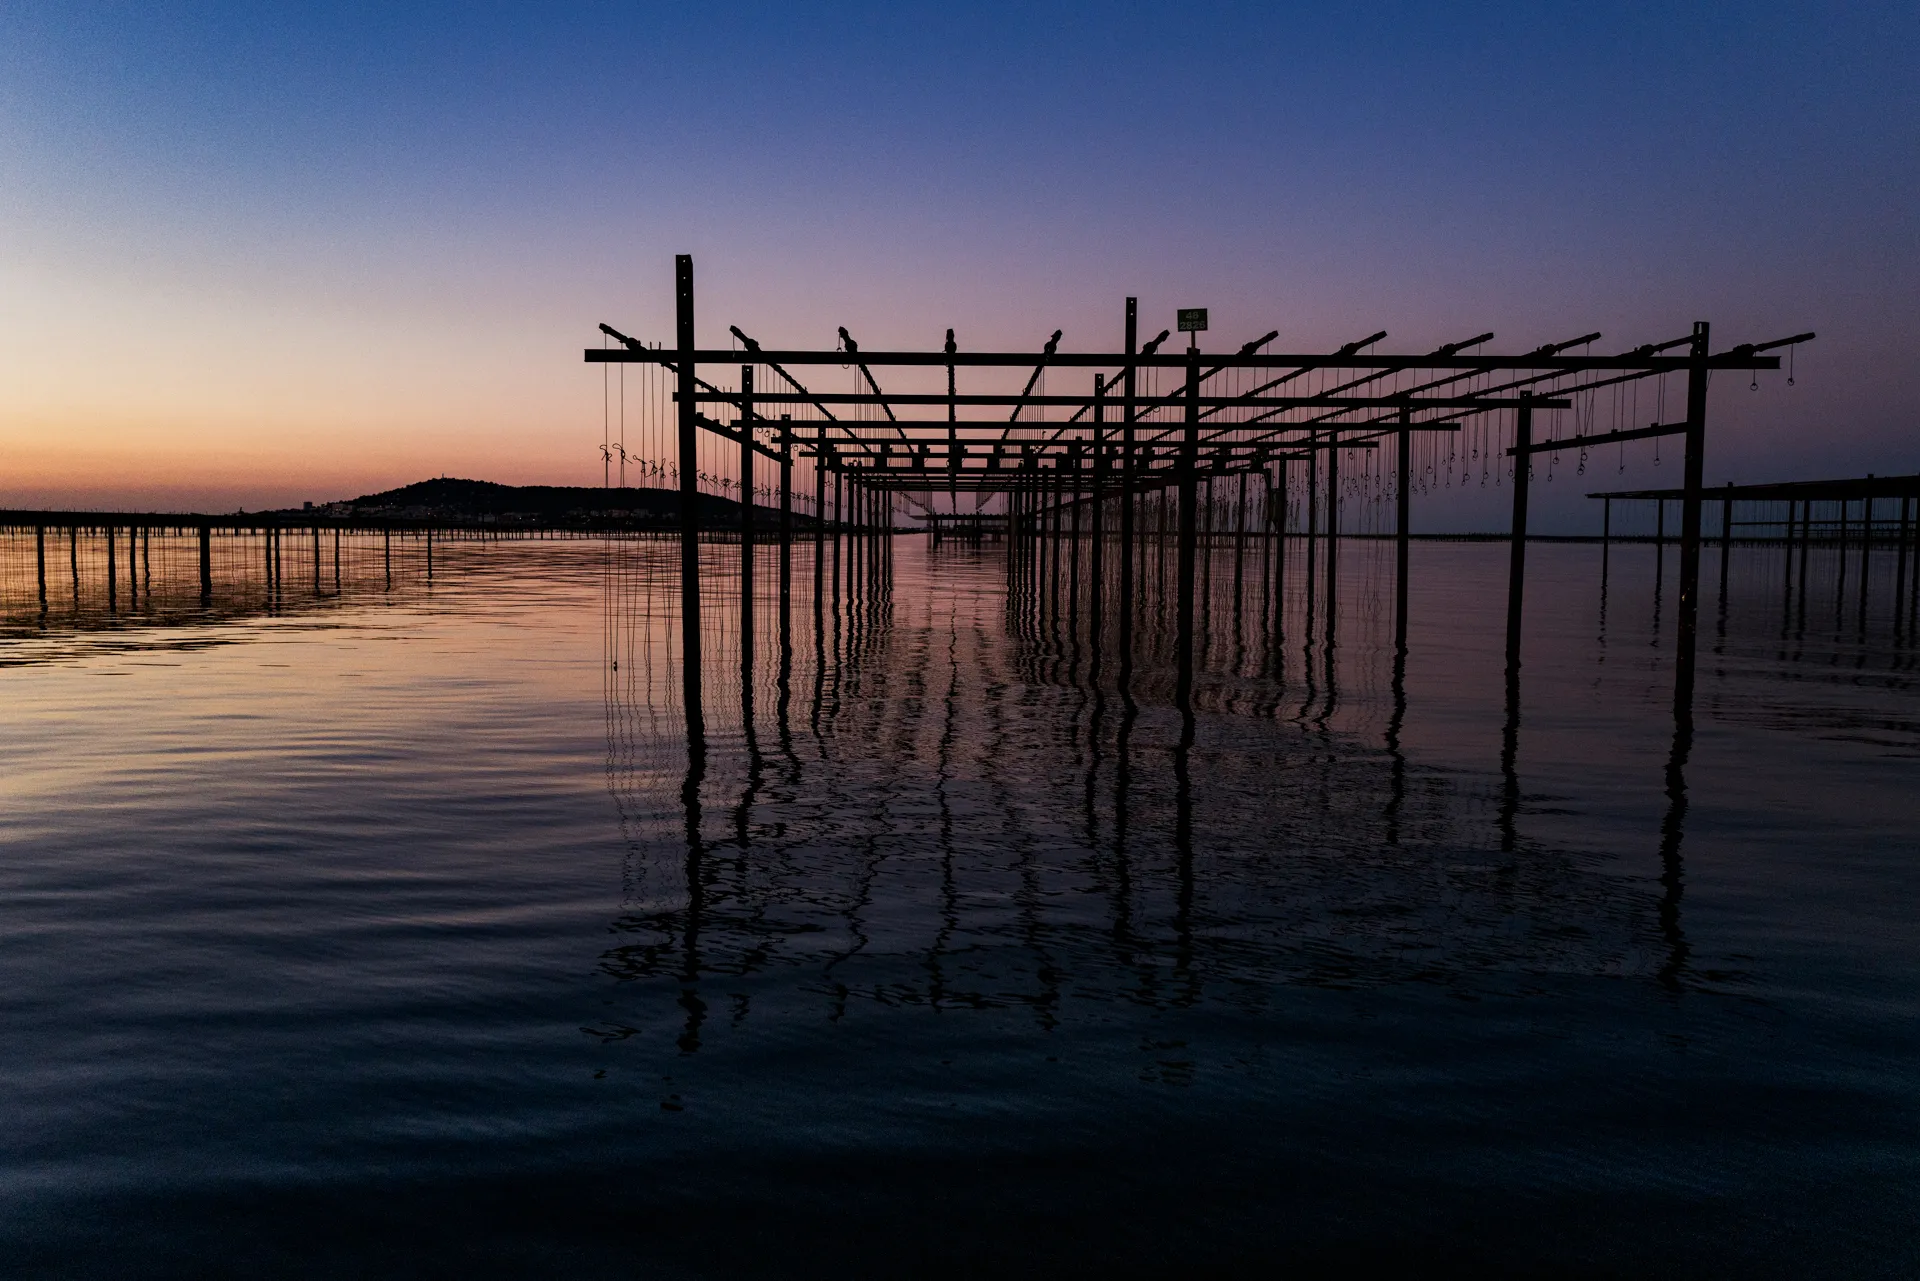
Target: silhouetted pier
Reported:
point(1153, 456)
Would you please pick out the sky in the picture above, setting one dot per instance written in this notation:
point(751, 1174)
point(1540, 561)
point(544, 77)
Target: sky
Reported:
point(252, 255)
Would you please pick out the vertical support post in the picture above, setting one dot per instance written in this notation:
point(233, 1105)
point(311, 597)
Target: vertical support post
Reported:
point(1073, 551)
point(429, 553)
point(1402, 505)
point(386, 554)
point(1014, 535)
point(689, 449)
point(1517, 556)
point(1277, 516)
point(206, 562)
point(336, 560)
point(1189, 457)
point(1096, 558)
point(73, 558)
point(1690, 520)
point(819, 520)
point(1899, 572)
point(1239, 553)
point(1058, 542)
point(786, 533)
point(40, 562)
point(746, 527)
point(1313, 523)
point(113, 573)
point(1205, 542)
point(1866, 555)
point(1333, 534)
point(1128, 477)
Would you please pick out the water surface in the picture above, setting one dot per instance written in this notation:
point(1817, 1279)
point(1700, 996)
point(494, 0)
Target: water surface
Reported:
point(388, 927)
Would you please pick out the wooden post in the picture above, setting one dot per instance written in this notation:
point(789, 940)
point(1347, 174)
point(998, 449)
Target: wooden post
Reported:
point(1128, 477)
point(1189, 457)
point(1899, 572)
point(1313, 522)
point(1690, 520)
point(819, 532)
point(1073, 551)
point(113, 573)
point(1239, 553)
point(1279, 521)
point(1096, 561)
point(40, 562)
point(1866, 554)
point(206, 563)
point(1402, 505)
point(689, 441)
point(857, 541)
point(1333, 532)
point(1517, 556)
point(786, 535)
point(1204, 543)
point(746, 526)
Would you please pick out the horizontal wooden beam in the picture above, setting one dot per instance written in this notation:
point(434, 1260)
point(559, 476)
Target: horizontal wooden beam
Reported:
point(1736, 359)
point(1207, 402)
point(1602, 438)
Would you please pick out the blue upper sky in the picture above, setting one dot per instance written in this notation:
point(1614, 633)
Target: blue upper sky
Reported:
point(363, 224)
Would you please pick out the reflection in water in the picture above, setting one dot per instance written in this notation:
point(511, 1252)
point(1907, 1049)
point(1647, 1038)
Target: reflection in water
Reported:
point(121, 585)
point(963, 920)
point(965, 822)
point(914, 846)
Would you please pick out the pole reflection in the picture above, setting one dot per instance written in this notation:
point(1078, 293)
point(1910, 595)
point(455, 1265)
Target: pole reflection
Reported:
point(987, 823)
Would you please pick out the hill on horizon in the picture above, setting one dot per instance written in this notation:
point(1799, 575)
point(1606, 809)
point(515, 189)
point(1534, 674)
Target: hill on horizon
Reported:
point(456, 497)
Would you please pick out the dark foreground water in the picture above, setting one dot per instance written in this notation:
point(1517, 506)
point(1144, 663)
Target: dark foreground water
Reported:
point(389, 934)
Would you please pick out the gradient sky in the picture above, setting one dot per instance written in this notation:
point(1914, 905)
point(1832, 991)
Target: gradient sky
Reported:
point(256, 254)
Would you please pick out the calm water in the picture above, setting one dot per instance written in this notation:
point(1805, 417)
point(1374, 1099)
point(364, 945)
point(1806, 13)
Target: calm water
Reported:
point(387, 932)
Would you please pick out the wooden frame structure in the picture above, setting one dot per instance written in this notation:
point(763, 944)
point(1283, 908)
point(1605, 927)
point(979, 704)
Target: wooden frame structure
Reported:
point(1124, 434)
